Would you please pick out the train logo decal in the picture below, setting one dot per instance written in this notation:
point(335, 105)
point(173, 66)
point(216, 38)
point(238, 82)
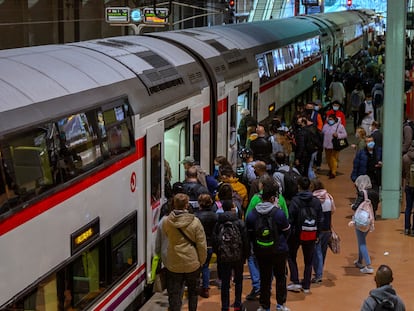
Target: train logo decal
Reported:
point(133, 182)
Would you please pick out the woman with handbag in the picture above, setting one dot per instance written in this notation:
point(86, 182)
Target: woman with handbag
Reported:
point(332, 130)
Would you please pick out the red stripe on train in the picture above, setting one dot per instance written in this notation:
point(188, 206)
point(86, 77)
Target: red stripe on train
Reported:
point(120, 288)
point(38, 208)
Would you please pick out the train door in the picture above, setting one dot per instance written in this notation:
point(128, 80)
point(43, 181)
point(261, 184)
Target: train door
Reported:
point(154, 184)
point(176, 140)
point(233, 119)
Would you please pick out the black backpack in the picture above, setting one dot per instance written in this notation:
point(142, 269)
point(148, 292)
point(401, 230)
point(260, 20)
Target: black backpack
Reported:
point(355, 100)
point(308, 225)
point(290, 182)
point(229, 242)
point(384, 305)
point(266, 236)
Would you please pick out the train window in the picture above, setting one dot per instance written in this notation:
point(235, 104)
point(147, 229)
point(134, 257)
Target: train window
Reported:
point(40, 158)
point(80, 282)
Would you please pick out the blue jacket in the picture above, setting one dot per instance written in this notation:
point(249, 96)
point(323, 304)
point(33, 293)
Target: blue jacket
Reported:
point(362, 167)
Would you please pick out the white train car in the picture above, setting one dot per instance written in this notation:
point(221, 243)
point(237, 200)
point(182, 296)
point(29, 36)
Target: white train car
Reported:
point(87, 129)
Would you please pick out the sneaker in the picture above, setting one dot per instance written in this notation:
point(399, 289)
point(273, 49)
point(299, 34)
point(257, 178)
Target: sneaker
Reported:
point(316, 280)
point(253, 294)
point(204, 292)
point(294, 287)
point(358, 264)
point(407, 231)
point(367, 269)
point(263, 309)
point(282, 308)
point(306, 290)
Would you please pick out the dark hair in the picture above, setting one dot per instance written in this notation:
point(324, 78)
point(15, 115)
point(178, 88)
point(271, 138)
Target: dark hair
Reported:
point(178, 188)
point(204, 200)
point(227, 205)
point(225, 192)
point(270, 189)
point(304, 183)
point(280, 158)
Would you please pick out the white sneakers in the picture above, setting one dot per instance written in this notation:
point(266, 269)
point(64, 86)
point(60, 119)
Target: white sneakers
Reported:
point(367, 269)
point(294, 287)
point(282, 308)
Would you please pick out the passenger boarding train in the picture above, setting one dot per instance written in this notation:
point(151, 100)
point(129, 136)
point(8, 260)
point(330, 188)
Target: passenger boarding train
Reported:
point(87, 130)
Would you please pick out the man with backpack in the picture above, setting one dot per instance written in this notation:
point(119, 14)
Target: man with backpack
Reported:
point(286, 177)
point(305, 216)
point(193, 188)
point(268, 230)
point(230, 243)
point(384, 297)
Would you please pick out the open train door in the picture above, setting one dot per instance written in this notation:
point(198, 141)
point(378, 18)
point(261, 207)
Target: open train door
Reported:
point(154, 185)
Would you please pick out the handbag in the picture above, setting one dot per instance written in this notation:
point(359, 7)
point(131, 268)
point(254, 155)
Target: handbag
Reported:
point(334, 242)
point(160, 283)
point(339, 143)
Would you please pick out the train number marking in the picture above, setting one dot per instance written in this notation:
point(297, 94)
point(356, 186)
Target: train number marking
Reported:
point(133, 182)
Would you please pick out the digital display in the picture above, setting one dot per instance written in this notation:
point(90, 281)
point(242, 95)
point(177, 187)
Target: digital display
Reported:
point(84, 236)
point(152, 18)
point(310, 2)
point(117, 15)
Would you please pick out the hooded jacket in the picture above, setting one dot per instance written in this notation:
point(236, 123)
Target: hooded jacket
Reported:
point(379, 294)
point(279, 218)
point(301, 200)
point(328, 208)
point(183, 257)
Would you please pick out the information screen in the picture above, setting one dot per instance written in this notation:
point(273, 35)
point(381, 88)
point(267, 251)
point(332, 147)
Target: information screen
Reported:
point(117, 15)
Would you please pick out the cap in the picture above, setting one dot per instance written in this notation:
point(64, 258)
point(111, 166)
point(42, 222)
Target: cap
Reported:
point(188, 159)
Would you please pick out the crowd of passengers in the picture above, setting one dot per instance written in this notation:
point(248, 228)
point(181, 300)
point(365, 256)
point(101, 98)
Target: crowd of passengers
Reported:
point(275, 185)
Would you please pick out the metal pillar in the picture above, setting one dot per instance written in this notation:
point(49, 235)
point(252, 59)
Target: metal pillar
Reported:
point(393, 108)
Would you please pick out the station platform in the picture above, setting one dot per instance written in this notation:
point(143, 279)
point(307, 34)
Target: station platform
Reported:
point(343, 287)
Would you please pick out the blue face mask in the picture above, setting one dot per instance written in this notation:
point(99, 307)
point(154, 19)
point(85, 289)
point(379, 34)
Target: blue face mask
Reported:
point(331, 122)
point(371, 144)
point(216, 167)
point(316, 108)
point(336, 108)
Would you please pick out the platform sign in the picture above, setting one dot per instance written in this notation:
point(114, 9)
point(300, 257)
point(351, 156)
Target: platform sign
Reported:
point(118, 15)
point(151, 18)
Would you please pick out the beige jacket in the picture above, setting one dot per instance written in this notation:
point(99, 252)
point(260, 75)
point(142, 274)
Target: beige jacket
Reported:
point(182, 256)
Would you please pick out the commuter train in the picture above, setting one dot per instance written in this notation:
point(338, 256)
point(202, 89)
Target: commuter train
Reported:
point(88, 129)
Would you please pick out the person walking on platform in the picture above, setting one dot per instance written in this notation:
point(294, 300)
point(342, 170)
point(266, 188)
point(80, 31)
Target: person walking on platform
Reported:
point(333, 128)
point(321, 247)
point(230, 243)
point(408, 178)
point(362, 183)
point(306, 218)
point(246, 121)
point(384, 297)
point(187, 252)
point(268, 230)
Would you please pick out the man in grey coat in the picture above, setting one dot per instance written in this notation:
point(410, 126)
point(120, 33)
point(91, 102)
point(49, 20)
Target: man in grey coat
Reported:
point(384, 293)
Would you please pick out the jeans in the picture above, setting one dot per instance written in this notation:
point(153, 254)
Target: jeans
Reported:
point(311, 173)
point(362, 247)
point(319, 254)
point(269, 266)
point(205, 270)
point(254, 272)
point(308, 248)
point(226, 269)
point(175, 284)
point(409, 200)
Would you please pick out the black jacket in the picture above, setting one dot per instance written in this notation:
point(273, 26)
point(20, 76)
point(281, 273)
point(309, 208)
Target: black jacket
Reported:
point(208, 219)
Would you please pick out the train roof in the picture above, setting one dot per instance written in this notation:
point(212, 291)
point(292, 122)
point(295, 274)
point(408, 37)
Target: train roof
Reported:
point(231, 49)
point(83, 74)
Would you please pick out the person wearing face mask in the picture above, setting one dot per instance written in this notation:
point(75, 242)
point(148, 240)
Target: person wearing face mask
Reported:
point(367, 114)
point(336, 110)
point(333, 128)
point(366, 163)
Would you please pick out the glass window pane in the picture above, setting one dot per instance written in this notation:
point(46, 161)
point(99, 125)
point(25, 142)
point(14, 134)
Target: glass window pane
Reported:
point(155, 173)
